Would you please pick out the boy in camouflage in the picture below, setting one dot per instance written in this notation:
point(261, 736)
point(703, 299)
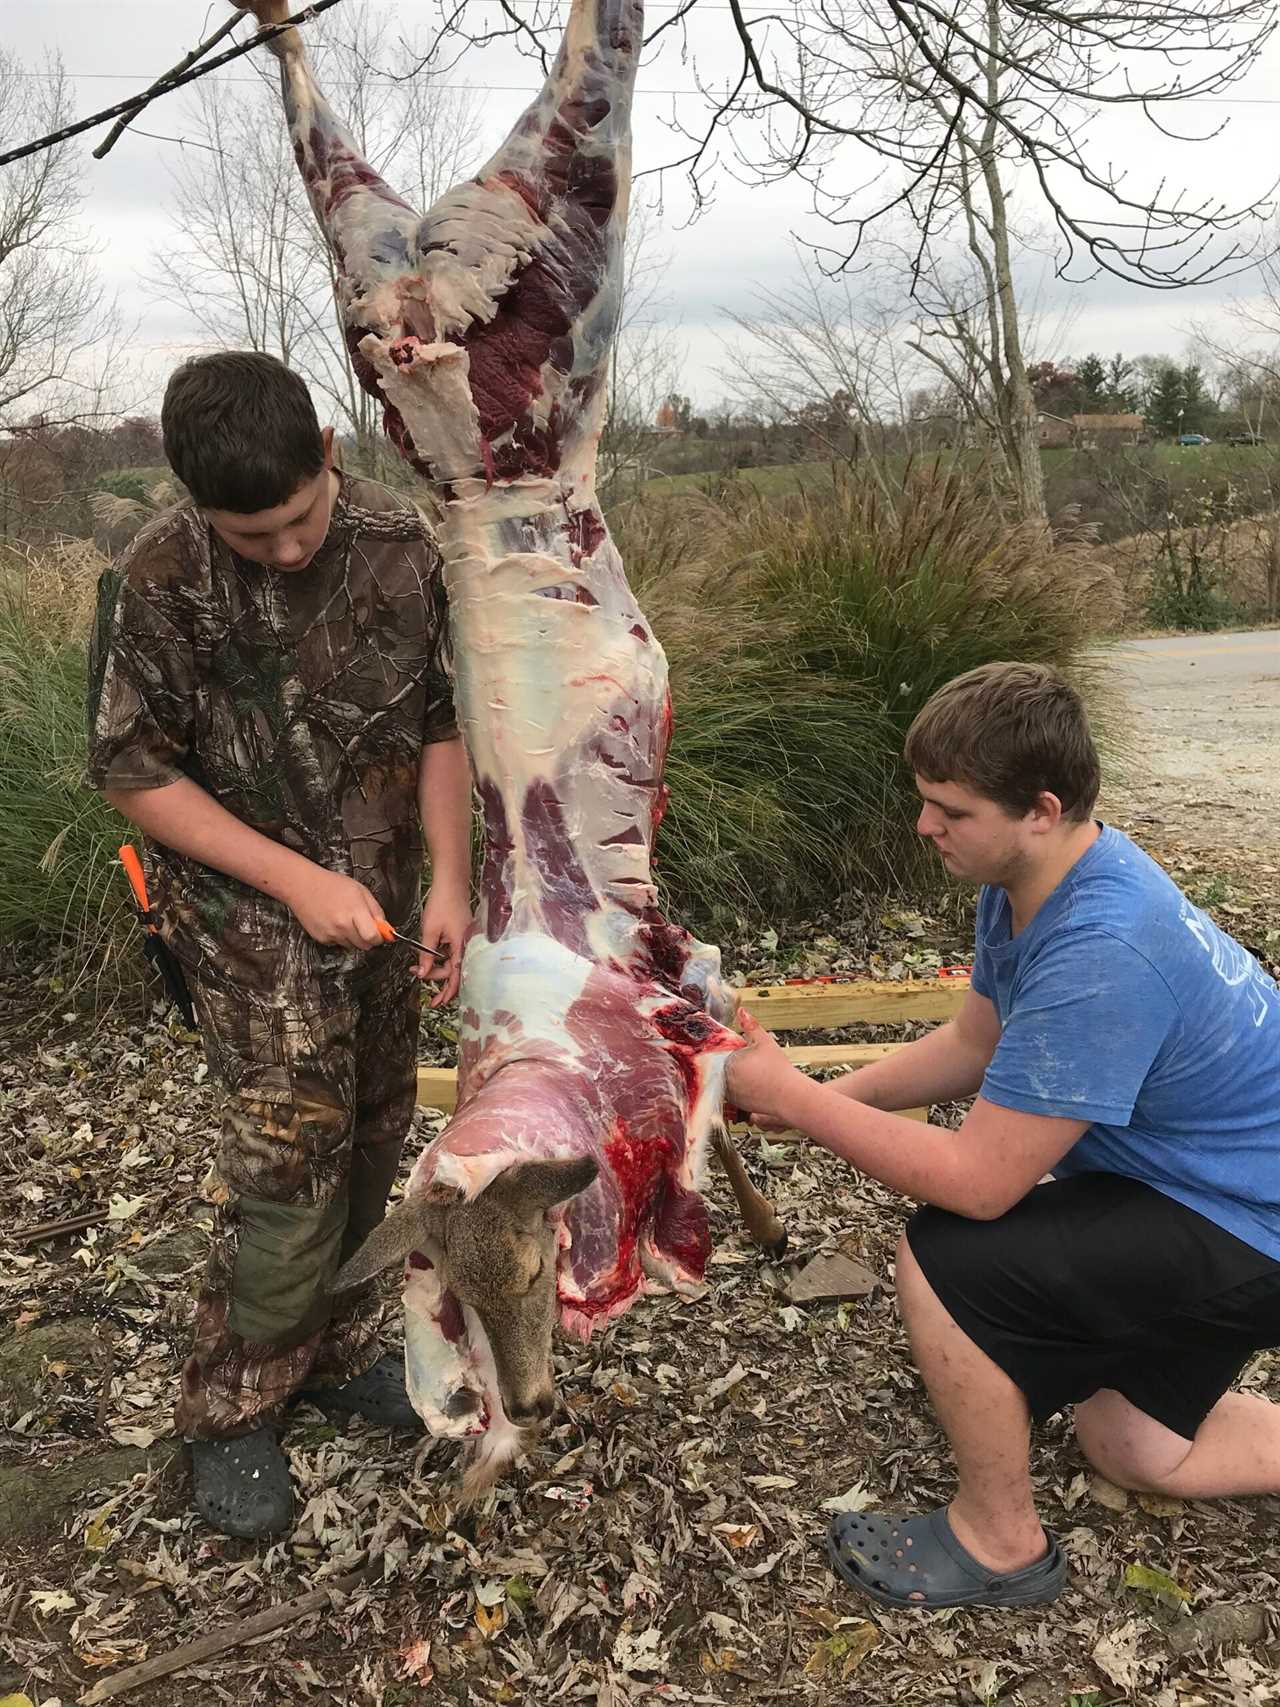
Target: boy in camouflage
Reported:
point(268, 704)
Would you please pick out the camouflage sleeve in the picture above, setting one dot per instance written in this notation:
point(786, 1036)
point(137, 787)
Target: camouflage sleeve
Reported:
point(141, 689)
point(439, 721)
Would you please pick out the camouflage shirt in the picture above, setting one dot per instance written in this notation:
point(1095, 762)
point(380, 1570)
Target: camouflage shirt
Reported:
point(300, 701)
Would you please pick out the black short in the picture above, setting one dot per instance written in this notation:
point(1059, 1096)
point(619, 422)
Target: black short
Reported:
point(1099, 1281)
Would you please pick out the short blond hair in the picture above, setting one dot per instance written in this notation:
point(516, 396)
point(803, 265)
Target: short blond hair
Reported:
point(1011, 732)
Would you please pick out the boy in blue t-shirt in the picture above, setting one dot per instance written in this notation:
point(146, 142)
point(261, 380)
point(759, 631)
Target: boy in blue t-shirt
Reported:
point(1115, 1039)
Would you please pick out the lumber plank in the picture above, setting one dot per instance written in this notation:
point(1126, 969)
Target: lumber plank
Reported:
point(820, 1007)
point(740, 1129)
point(438, 1086)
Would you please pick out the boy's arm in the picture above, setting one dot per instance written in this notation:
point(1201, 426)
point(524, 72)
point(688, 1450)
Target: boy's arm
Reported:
point(946, 1065)
point(141, 692)
point(444, 805)
point(980, 1171)
point(331, 908)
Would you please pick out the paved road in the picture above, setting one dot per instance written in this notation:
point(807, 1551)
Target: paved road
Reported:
point(1205, 723)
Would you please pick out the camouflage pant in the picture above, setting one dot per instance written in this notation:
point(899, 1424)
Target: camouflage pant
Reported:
point(320, 1087)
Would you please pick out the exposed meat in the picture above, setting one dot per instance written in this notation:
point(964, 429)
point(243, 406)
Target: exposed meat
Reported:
point(589, 1022)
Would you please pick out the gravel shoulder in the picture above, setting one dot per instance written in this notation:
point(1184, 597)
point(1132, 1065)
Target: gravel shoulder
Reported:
point(1203, 769)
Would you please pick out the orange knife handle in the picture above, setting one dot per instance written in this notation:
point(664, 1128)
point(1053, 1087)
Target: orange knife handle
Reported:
point(384, 930)
point(133, 871)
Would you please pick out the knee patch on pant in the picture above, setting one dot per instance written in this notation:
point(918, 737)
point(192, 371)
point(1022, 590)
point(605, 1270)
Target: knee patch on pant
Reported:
point(287, 1255)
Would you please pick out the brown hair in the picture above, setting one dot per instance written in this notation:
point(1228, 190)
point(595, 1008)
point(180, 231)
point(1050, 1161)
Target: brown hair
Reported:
point(240, 431)
point(1011, 732)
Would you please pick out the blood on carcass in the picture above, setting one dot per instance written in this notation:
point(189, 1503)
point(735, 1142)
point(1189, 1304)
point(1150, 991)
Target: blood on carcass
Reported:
point(590, 1023)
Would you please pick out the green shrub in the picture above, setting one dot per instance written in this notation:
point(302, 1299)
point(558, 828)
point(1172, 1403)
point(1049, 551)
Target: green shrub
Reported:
point(1187, 587)
point(59, 874)
point(803, 635)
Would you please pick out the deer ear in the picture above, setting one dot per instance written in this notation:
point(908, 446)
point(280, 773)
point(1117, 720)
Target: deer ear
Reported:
point(535, 1187)
point(410, 1226)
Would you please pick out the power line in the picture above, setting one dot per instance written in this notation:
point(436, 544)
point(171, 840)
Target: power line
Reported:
point(533, 87)
point(184, 73)
point(387, 82)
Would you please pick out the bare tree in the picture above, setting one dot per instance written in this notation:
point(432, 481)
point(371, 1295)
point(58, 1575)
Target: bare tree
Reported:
point(832, 359)
point(864, 370)
point(981, 326)
point(1248, 355)
point(644, 368)
point(949, 102)
point(58, 332)
point(252, 268)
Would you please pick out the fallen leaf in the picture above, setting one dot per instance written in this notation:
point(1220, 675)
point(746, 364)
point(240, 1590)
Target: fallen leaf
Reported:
point(491, 1619)
point(1160, 1505)
point(98, 1536)
point(640, 1653)
point(124, 1208)
point(724, 1660)
point(1103, 1492)
point(719, 1388)
point(519, 1592)
point(1116, 1655)
point(135, 1435)
point(1075, 1491)
point(855, 1498)
point(49, 1600)
point(739, 1535)
point(16, 1701)
point(415, 1662)
point(845, 1650)
point(1155, 1582)
point(772, 1481)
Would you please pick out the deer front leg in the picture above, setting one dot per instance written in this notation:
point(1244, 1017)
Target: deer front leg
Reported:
point(758, 1214)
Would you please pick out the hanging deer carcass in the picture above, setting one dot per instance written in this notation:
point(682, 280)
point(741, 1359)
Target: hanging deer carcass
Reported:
point(593, 1031)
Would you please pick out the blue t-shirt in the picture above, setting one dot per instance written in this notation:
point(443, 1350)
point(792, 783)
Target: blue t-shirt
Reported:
point(1124, 1005)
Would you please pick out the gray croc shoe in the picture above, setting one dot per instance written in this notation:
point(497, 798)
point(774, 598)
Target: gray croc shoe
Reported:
point(917, 1562)
point(242, 1486)
point(379, 1396)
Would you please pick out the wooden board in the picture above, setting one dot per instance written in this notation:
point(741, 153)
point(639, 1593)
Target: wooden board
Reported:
point(801, 1007)
point(438, 1086)
point(819, 1007)
point(739, 1129)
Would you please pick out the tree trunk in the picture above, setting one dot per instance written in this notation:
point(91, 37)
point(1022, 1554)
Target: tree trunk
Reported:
point(1019, 425)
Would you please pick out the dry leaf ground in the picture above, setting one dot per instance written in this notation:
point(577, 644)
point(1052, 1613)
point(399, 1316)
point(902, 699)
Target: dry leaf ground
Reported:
point(666, 1544)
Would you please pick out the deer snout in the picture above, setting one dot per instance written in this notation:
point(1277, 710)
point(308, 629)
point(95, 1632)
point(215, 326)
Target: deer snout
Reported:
point(536, 1408)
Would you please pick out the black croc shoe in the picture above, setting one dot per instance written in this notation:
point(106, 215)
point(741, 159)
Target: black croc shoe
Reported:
point(242, 1486)
point(379, 1396)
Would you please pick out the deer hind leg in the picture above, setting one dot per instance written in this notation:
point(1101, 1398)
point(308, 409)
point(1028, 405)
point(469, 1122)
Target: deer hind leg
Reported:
point(758, 1214)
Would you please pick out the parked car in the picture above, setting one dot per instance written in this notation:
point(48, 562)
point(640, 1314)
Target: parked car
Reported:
point(1194, 439)
point(1246, 439)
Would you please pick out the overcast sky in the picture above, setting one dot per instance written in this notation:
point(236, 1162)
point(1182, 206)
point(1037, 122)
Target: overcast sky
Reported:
point(744, 240)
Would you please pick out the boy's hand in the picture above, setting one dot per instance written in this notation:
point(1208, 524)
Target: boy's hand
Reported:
point(335, 909)
point(761, 1079)
point(446, 919)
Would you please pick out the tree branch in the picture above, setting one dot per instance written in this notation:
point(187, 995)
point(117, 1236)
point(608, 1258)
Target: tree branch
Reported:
point(173, 80)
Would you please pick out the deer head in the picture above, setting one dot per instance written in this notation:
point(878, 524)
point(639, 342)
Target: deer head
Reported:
point(497, 1254)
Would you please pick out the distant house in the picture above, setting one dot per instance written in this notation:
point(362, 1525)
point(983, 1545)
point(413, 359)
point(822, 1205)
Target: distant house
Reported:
point(1055, 432)
point(1107, 432)
point(666, 419)
point(1091, 432)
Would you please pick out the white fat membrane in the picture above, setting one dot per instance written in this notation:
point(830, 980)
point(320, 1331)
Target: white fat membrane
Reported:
point(560, 685)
